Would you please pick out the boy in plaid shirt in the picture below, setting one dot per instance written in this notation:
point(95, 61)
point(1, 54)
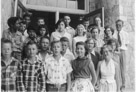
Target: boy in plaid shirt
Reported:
point(31, 77)
point(9, 67)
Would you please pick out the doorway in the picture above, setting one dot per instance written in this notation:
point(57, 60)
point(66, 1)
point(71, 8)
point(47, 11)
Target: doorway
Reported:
point(49, 18)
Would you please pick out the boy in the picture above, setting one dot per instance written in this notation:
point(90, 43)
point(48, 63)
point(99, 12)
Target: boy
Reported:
point(31, 77)
point(69, 29)
point(65, 49)
point(9, 67)
point(14, 36)
point(57, 70)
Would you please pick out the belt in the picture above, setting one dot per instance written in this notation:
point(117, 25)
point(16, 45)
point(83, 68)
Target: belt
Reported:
point(54, 85)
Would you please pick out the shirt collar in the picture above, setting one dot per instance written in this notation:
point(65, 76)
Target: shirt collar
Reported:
point(37, 60)
point(93, 52)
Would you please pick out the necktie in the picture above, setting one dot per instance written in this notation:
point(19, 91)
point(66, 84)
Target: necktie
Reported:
point(119, 39)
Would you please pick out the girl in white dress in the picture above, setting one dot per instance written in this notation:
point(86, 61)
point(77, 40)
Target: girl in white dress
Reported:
point(107, 72)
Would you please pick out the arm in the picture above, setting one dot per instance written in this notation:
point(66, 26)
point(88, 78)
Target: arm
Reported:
point(117, 76)
point(51, 39)
point(19, 80)
point(93, 73)
point(68, 82)
point(74, 47)
point(42, 80)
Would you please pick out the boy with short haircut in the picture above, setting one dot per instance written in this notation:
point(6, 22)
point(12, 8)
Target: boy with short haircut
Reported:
point(9, 66)
point(65, 49)
point(31, 77)
point(69, 29)
point(57, 70)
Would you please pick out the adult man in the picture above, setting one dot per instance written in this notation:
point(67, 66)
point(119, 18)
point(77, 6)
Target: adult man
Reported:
point(122, 37)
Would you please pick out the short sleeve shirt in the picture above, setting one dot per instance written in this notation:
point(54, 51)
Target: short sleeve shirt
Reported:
point(57, 71)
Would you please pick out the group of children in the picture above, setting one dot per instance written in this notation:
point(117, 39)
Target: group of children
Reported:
point(87, 59)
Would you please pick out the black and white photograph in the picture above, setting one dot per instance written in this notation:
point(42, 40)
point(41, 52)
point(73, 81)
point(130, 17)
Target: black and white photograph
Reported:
point(67, 45)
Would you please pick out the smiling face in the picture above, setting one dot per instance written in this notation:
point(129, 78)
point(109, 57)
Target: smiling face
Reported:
point(42, 31)
point(6, 49)
point(80, 31)
point(56, 48)
point(41, 22)
point(32, 50)
point(108, 32)
point(90, 45)
point(106, 52)
point(80, 50)
point(44, 44)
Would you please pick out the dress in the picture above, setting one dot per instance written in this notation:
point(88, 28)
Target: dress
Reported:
point(81, 73)
point(107, 81)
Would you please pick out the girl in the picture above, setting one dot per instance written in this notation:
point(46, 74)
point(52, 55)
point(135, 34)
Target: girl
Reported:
point(107, 72)
point(97, 21)
point(43, 31)
point(116, 57)
point(83, 69)
point(91, 53)
point(80, 37)
point(57, 70)
point(98, 41)
point(109, 31)
point(31, 77)
point(61, 32)
point(44, 52)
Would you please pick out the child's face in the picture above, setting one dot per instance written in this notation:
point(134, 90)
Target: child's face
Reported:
point(106, 53)
point(90, 44)
point(80, 31)
point(22, 27)
point(31, 33)
point(80, 50)
point(41, 22)
point(44, 44)
point(32, 50)
point(6, 49)
point(42, 31)
point(61, 26)
point(97, 21)
point(64, 46)
point(17, 25)
point(108, 32)
point(67, 20)
point(113, 46)
point(57, 48)
point(95, 33)
point(86, 24)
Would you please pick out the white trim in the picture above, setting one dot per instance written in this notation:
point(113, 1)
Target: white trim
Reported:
point(15, 8)
point(54, 9)
point(56, 16)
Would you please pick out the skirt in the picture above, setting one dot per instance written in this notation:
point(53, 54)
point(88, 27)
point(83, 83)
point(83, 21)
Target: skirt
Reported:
point(107, 87)
point(82, 85)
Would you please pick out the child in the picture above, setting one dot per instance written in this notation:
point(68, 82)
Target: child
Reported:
point(107, 72)
point(109, 32)
point(98, 41)
point(57, 70)
point(43, 31)
point(116, 57)
point(9, 67)
point(23, 30)
point(91, 53)
point(32, 35)
point(14, 35)
point(65, 49)
point(61, 32)
point(45, 50)
point(82, 70)
point(80, 37)
point(69, 29)
point(31, 77)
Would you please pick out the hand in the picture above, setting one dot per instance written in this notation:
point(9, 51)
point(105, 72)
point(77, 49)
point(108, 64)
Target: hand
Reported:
point(58, 86)
point(97, 87)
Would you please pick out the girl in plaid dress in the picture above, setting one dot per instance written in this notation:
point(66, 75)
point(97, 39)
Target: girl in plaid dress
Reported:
point(31, 77)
